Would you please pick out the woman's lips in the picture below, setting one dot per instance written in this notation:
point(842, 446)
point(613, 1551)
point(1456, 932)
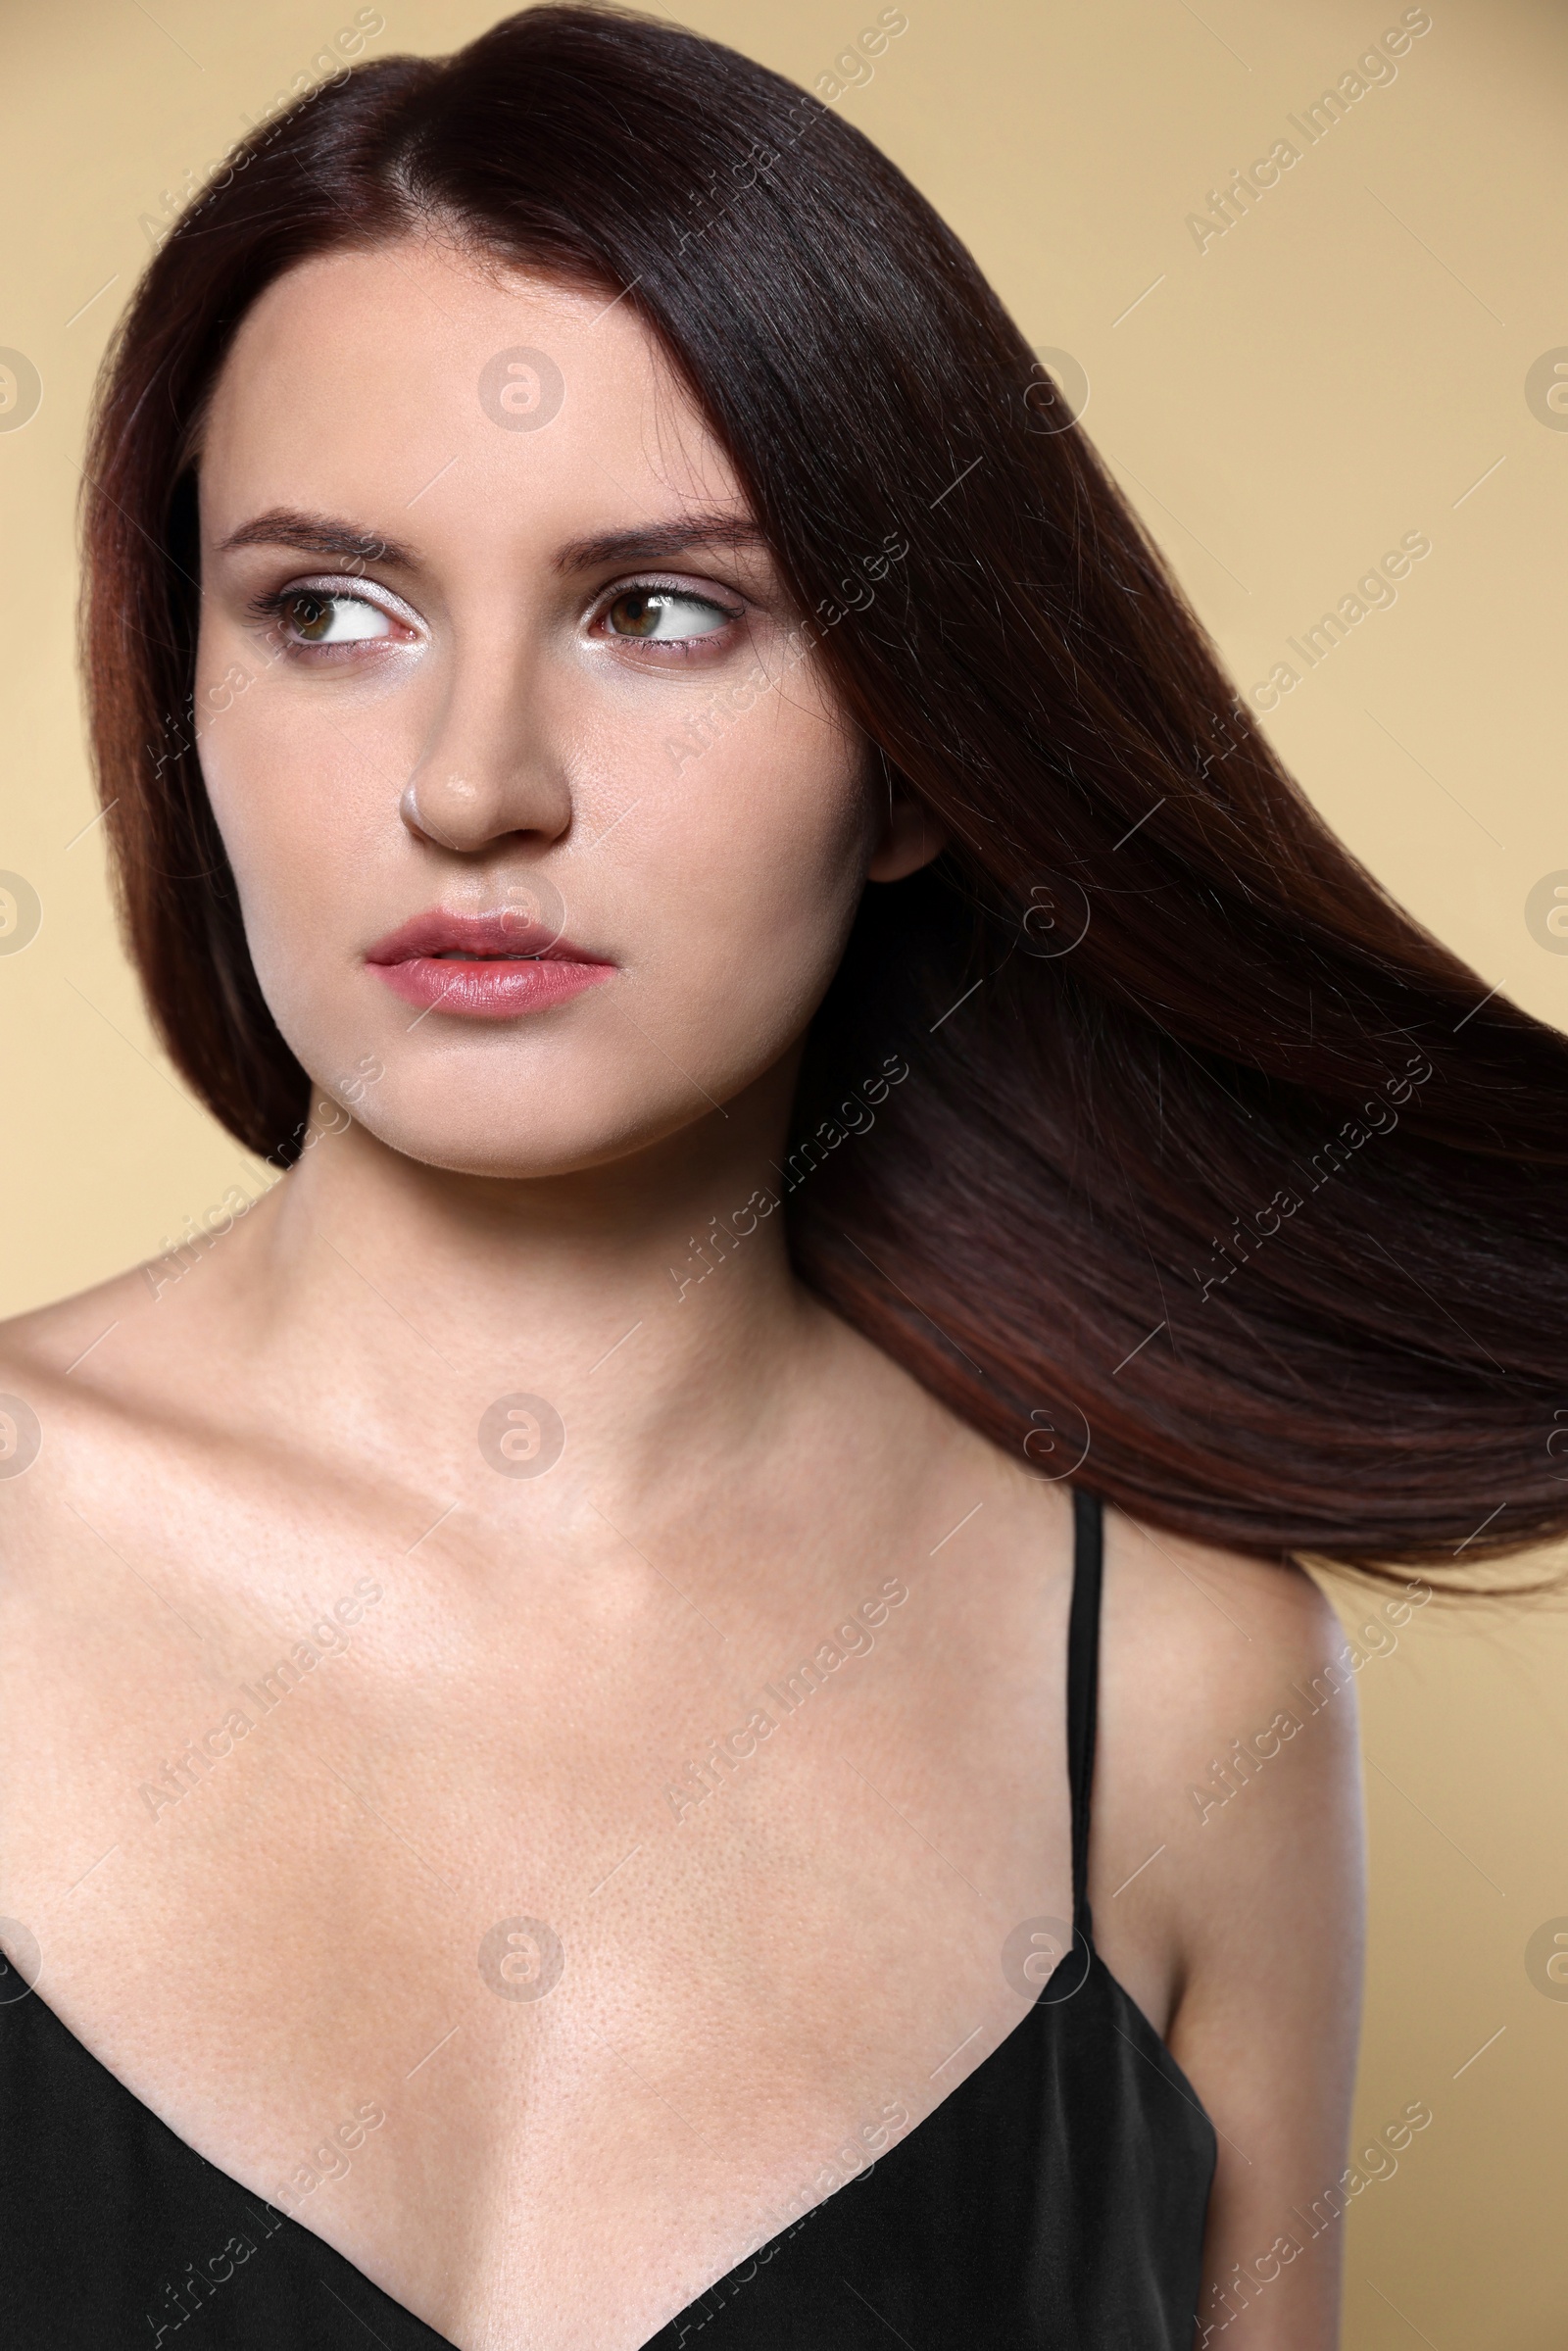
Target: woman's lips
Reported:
point(483, 966)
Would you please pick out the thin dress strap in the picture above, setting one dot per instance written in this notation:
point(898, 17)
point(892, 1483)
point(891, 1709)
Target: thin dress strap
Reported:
point(1083, 1683)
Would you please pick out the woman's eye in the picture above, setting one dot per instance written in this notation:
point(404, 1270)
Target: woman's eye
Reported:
point(316, 619)
point(661, 615)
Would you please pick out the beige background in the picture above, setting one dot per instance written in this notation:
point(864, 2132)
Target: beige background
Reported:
point(1345, 365)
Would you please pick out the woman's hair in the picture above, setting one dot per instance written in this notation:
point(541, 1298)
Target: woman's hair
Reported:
point(1213, 1181)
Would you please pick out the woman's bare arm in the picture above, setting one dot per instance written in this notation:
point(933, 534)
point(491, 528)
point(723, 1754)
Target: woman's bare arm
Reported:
point(1229, 1737)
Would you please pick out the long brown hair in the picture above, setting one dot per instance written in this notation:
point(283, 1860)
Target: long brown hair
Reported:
point(1214, 1181)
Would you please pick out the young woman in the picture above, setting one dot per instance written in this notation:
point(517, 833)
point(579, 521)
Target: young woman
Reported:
point(667, 1694)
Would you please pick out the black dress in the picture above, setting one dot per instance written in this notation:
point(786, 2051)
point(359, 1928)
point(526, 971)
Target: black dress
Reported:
point(1055, 2198)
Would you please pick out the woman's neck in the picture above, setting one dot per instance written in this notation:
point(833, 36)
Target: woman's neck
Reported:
point(649, 1303)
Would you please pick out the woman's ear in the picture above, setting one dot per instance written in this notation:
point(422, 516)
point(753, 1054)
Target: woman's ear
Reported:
point(909, 836)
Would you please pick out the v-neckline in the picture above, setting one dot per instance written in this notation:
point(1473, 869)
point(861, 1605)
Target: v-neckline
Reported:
point(445, 2344)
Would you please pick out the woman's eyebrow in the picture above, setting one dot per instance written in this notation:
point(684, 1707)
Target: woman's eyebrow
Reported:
point(332, 538)
point(659, 542)
point(319, 534)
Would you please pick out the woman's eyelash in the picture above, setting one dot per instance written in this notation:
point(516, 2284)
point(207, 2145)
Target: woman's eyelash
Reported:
point(272, 604)
point(272, 601)
point(676, 588)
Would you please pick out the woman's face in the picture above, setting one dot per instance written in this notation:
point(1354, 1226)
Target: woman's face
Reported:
point(547, 835)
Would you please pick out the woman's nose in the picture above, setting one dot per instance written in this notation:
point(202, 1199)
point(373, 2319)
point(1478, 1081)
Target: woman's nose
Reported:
point(492, 767)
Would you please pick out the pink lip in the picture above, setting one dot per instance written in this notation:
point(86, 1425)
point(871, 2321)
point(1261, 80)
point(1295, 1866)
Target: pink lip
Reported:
point(421, 963)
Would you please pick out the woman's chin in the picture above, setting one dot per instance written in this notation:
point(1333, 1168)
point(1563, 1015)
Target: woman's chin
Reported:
point(462, 1139)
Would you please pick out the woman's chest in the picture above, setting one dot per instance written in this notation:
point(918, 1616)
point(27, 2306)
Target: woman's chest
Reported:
point(536, 1964)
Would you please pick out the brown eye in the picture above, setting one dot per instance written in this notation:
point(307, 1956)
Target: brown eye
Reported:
point(312, 616)
point(664, 615)
point(636, 615)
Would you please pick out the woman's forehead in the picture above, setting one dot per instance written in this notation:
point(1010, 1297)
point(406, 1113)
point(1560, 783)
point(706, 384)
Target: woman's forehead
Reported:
point(435, 373)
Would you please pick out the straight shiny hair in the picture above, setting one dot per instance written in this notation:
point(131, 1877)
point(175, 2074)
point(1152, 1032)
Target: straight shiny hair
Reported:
point(1214, 1183)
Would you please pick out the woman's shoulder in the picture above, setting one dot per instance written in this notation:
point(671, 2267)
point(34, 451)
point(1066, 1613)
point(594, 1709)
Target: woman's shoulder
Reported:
point(1222, 1626)
point(1214, 1656)
point(60, 1361)
point(1228, 1739)
point(84, 1385)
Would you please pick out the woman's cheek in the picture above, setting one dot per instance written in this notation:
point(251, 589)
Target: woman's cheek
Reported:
point(313, 838)
point(792, 833)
